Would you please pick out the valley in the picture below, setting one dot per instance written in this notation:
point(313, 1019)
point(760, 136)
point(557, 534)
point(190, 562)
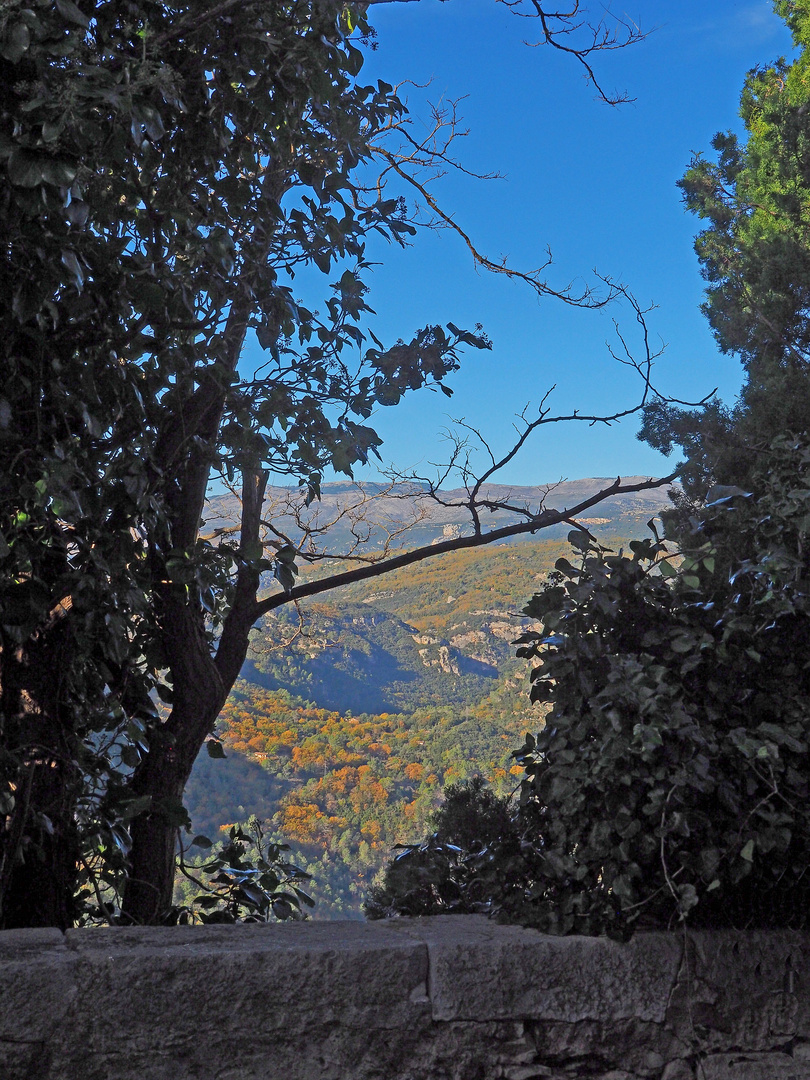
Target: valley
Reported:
point(352, 713)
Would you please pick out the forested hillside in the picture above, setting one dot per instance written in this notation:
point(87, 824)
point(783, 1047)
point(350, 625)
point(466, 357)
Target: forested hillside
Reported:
point(345, 726)
point(435, 634)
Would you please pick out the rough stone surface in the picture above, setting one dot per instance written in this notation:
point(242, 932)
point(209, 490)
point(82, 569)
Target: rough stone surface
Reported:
point(454, 998)
point(742, 1066)
point(493, 972)
point(247, 1001)
point(37, 991)
point(775, 1004)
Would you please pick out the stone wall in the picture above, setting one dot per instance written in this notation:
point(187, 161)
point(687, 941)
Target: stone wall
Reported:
point(451, 998)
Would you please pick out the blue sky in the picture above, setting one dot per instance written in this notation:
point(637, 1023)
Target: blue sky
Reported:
point(596, 184)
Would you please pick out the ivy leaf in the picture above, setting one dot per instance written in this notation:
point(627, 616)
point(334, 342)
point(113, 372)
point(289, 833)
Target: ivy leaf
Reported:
point(25, 168)
point(720, 495)
point(69, 11)
point(72, 264)
point(285, 575)
point(14, 43)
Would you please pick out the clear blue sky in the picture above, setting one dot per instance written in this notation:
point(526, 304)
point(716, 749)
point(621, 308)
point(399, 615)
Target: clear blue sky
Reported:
point(596, 184)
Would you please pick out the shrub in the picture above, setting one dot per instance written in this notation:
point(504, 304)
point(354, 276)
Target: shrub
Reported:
point(442, 875)
point(671, 778)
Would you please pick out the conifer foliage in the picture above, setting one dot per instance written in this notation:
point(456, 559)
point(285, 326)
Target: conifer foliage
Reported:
point(752, 197)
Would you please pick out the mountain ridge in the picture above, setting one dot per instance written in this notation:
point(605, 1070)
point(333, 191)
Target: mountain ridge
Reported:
point(348, 513)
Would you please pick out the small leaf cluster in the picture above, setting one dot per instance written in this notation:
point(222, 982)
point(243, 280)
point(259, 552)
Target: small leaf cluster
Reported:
point(247, 880)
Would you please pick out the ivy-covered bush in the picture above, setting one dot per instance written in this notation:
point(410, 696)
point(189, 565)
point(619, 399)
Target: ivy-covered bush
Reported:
point(671, 778)
point(447, 873)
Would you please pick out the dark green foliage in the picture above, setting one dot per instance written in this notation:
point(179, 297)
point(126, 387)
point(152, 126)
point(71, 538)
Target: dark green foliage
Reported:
point(671, 780)
point(672, 773)
point(146, 150)
point(167, 171)
point(471, 817)
point(444, 875)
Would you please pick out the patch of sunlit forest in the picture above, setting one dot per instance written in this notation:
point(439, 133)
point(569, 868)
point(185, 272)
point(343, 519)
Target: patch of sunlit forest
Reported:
point(342, 784)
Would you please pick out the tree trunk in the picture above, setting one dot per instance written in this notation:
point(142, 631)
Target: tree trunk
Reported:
point(39, 848)
point(148, 894)
point(199, 694)
point(201, 683)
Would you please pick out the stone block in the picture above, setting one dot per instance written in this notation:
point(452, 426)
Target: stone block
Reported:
point(37, 988)
point(328, 971)
point(37, 984)
point(480, 970)
point(286, 999)
point(742, 1066)
point(744, 990)
point(451, 998)
point(527, 1072)
point(17, 944)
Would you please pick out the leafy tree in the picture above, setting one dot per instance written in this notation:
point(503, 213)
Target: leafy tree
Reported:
point(168, 170)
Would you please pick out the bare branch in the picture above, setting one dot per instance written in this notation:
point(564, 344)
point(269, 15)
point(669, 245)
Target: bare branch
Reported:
point(587, 297)
point(563, 30)
point(558, 26)
point(542, 520)
point(475, 501)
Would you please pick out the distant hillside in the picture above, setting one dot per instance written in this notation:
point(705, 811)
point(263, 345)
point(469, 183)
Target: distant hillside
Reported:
point(439, 632)
point(376, 511)
point(348, 721)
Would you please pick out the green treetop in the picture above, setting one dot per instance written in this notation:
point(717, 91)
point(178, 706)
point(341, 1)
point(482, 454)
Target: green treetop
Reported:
point(754, 197)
